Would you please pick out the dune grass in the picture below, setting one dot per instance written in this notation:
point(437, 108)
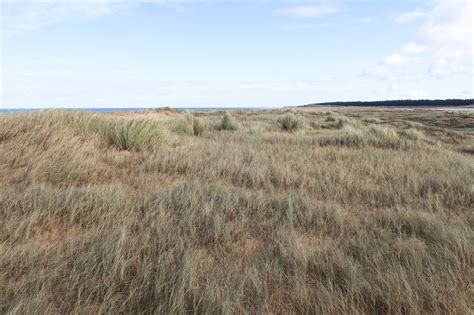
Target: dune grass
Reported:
point(292, 122)
point(120, 214)
point(191, 125)
point(228, 123)
point(130, 135)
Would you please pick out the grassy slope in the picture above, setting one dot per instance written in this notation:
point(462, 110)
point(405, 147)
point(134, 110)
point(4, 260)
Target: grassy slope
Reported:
point(349, 212)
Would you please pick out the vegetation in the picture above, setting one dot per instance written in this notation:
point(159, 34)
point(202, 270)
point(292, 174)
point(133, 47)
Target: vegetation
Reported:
point(228, 123)
point(130, 135)
point(413, 134)
point(191, 126)
point(112, 213)
point(291, 122)
point(402, 103)
point(330, 118)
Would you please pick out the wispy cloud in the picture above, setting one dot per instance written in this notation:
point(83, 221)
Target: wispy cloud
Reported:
point(365, 20)
point(30, 15)
point(413, 48)
point(449, 34)
point(444, 39)
point(25, 16)
point(409, 16)
point(395, 60)
point(297, 27)
point(378, 72)
point(307, 11)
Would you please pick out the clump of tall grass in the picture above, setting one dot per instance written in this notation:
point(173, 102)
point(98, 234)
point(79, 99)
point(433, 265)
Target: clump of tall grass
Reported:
point(413, 134)
point(191, 125)
point(341, 122)
point(291, 122)
point(375, 136)
point(330, 118)
point(414, 124)
point(255, 130)
point(349, 137)
point(131, 135)
point(382, 133)
point(228, 123)
point(385, 137)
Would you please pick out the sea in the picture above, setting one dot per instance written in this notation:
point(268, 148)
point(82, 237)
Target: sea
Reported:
point(5, 111)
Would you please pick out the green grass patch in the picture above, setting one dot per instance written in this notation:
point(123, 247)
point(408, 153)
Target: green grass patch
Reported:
point(131, 135)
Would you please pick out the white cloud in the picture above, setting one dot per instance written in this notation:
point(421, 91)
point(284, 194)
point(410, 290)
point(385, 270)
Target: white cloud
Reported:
point(19, 17)
point(308, 11)
point(297, 27)
point(439, 67)
point(450, 21)
point(446, 41)
point(366, 20)
point(395, 60)
point(378, 72)
point(409, 16)
point(449, 34)
point(413, 48)
point(29, 15)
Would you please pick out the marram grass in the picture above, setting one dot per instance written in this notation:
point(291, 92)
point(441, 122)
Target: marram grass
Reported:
point(158, 213)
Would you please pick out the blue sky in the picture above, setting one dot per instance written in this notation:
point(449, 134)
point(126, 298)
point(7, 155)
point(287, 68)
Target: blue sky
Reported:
point(189, 53)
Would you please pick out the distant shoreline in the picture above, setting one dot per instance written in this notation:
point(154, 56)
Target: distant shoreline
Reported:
point(465, 109)
point(117, 109)
point(447, 105)
point(398, 103)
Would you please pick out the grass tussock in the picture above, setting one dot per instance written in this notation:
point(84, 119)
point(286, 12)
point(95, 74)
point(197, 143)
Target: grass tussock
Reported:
point(372, 135)
point(191, 126)
point(228, 123)
point(330, 117)
point(100, 213)
point(413, 134)
point(131, 135)
point(291, 122)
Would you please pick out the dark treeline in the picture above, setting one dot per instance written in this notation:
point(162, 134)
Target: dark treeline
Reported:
point(401, 103)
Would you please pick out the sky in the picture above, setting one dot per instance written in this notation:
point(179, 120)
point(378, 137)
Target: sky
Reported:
point(232, 53)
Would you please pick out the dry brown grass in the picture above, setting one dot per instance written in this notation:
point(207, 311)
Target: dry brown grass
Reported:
point(364, 212)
